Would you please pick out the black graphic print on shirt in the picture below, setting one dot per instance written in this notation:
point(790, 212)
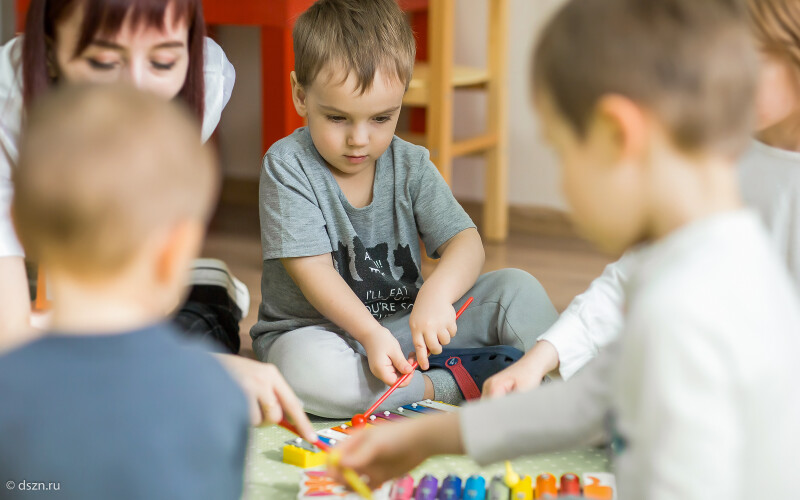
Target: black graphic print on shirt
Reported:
point(375, 283)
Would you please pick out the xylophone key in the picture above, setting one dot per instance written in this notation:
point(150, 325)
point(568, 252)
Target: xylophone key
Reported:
point(427, 488)
point(438, 405)
point(523, 490)
point(546, 486)
point(402, 489)
point(475, 488)
point(498, 489)
point(391, 416)
point(416, 407)
point(332, 434)
point(408, 413)
point(570, 484)
point(451, 488)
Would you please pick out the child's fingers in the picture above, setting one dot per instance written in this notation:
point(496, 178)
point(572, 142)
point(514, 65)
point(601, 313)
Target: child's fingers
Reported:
point(421, 351)
point(387, 374)
point(256, 416)
point(432, 341)
point(444, 337)
point(271, 408)
point(498, 387)
point(407, 381)
point(399, 361)
point(360, 450)
point(293, 409)
point(452, 329)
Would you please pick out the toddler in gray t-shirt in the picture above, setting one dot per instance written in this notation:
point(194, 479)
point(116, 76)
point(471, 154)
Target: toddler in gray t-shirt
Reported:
point(344, 204)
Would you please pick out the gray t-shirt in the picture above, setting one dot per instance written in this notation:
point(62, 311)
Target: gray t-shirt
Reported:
point(375, 248)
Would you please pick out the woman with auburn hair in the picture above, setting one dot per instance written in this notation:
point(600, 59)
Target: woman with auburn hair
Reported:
point(158, 46)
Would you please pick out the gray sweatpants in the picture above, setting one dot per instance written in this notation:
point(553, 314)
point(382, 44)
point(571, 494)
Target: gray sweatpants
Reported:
point(329, 370)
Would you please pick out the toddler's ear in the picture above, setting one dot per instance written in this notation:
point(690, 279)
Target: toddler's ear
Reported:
point(298, 95)
point(625, 123)
point(180, 245)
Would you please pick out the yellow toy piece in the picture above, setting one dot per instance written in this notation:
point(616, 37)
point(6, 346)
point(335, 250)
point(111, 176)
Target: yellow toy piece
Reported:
point(304, 459)
point(523, 490)
point(511, 477)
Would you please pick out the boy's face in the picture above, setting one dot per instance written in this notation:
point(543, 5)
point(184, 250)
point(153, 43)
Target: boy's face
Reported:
point(350, 130)
point(605, 191)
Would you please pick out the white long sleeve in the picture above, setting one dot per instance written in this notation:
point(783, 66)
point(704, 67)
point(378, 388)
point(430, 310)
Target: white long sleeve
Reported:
point(593, 319)
point(553, 417)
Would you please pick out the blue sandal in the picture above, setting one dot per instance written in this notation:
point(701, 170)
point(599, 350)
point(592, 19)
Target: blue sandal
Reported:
point(471, 367)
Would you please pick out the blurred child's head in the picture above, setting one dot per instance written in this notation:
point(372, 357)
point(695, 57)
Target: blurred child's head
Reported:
point(353, 64)
point(776, 27)
point(112, 184)
point(621, 85)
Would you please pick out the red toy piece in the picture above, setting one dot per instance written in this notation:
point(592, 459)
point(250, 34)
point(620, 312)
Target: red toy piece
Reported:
point(359, 421)
point(570, 485)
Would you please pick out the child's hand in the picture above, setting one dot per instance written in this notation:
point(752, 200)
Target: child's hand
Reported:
point(383, 452)
point(433, 324)
point(386, 357)
point(270, 397)
point(527, 373)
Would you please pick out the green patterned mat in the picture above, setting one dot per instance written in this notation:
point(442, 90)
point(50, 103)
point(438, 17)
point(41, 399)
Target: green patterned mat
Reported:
point(267, 477)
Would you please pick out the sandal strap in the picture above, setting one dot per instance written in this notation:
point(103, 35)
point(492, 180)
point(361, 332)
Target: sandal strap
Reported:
point(464, 380)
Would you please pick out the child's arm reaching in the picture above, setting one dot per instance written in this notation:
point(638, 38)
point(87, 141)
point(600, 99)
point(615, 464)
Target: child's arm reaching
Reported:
point(591, 321)
point(558, 416)
point(269, 396)
point(325, 289)
point(433, 318)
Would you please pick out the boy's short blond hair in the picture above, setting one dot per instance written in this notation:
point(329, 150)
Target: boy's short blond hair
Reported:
point(690, 62)
point(776, 25)
point(101, 169)
point(355, 36)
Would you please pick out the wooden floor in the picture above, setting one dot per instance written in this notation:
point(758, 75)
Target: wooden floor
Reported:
point(541, 242)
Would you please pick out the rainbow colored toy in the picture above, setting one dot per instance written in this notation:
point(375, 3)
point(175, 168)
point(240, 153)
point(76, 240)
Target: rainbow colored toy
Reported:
point(317, 485)
point(304, 454)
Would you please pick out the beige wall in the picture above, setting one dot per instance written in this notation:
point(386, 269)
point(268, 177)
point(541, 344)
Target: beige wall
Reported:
point(533, 172)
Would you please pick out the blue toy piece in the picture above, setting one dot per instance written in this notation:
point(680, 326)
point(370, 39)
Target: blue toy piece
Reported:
point(475, 488)
point(427, 488)
point(451, 488)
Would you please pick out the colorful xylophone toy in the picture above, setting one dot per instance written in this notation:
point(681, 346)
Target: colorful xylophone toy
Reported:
point(317, 485)
point(303, 454)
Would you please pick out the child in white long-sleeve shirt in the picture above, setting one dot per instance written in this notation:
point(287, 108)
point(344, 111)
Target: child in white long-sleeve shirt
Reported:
point(698, 391)
point(769, 177)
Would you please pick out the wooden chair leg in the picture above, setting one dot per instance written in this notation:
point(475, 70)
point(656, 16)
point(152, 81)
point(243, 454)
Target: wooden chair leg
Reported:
point(439, 118)
point(496, 178)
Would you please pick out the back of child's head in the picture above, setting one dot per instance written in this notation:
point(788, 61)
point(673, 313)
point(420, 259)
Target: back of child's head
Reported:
point(776, 26)
point(691, 63)
point(102, 171)
point(356, 37)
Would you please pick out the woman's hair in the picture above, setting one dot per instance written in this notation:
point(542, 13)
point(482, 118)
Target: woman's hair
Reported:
point(776, 26)
point(106, 17)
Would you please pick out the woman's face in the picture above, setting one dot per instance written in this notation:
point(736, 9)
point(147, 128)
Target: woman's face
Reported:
point(152, 60)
